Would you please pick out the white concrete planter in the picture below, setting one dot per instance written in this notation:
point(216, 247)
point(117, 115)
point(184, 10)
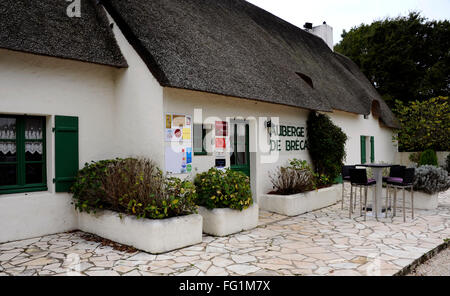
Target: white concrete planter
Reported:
point(423, 201)
point(153, 236)
point(297, 204)
point(223, 222)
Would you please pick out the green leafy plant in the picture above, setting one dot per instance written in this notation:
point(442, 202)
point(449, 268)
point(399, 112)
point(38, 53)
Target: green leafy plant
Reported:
point(405, 57)
point(415, 157)
point(428, 157)
point(223, 189)
point(326, 145)
point(424, 125)
point(132, 186)
point(431, 179)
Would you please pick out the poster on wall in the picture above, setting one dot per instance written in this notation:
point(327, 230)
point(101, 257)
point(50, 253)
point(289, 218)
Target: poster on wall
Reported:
point(178, 138)
point(221, 129)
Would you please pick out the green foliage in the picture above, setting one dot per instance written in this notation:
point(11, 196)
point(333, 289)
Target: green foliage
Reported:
point(223, 189)
point(405, 58)
point(415, 157)
point(296, 178)
point(326, 145)
point(428, 157)
point(132, 186)
point(431, 179)
point(424, 125)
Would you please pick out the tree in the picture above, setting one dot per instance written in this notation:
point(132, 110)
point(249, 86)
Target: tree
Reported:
point(326, 145)
point(424, 125)
point(405, 58)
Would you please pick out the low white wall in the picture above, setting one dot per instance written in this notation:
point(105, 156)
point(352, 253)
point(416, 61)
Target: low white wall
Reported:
point(297, 204)
point(24, 216)
point(403, 158)
point(154, 236)
point(223, 222)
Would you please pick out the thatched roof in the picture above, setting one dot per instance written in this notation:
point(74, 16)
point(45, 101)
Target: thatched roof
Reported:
point(234, 48)
point(43, 27)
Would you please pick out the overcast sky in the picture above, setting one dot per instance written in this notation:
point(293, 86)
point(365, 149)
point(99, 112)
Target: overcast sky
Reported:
point(345, 14)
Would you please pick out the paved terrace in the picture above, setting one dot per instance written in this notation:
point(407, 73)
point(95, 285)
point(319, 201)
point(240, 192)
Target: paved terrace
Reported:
point(324, 242)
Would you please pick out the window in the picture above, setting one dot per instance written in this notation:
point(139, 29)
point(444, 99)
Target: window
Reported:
point(22, 154)
point(199, 139)
point(306, 78)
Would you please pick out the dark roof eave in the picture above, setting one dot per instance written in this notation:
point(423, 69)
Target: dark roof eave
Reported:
point(122, 65)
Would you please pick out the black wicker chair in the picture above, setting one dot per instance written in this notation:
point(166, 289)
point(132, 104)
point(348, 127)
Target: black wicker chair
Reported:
point(358, 178)
point(407, 182)
point(345, 178)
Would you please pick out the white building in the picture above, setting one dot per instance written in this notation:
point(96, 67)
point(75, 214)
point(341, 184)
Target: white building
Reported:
point(180, 82)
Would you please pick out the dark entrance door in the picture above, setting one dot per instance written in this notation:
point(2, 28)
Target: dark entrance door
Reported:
point(240, 152)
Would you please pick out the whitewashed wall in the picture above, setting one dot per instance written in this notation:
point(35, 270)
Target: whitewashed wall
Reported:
point(37, 85)
point(222, 107)
point(120, 115)
point(138, 122)
point(355, 126)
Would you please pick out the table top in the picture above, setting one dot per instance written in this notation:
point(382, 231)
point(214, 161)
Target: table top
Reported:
point(376, 165)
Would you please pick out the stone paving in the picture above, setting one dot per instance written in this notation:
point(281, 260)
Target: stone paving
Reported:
point(324, 242)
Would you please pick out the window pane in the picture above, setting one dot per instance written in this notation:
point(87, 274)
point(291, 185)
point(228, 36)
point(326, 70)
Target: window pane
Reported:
point(8, 151)
point(33, 173)
point(8, 174)
point(198, 138)
point(33, 128)
point(7, 128)
point(33, 151)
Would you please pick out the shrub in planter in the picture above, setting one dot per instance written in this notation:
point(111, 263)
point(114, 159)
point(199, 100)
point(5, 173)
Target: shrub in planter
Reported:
point(428, 157)
point(298, 177)
point(431, 179)
point(223, 189)
point(326, 145)
point(134, 187)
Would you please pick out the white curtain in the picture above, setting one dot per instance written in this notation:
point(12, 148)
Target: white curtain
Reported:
point(33, 147)
point(6, 147)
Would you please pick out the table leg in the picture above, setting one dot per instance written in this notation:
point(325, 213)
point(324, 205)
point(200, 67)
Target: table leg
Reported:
point(378, 175)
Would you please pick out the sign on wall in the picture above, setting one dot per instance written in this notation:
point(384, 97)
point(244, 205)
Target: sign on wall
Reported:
point(288, 138)
point(178, 142)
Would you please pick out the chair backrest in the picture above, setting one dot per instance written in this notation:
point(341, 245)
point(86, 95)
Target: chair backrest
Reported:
point(397, 171)
point(358, 176)
point(346, 170)
point(408, 178)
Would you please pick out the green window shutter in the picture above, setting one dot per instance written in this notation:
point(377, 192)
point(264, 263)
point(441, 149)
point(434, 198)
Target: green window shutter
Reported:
point(66, 152)
point(363, 150)
point(372, 149)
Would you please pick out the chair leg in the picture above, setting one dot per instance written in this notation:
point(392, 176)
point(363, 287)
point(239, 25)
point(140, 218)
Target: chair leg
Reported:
point(365, 204)
point(360, 194)
point(395, 202)
point(351, 199)
point(404, 208)
point(412, 201)
point(387, 201)
point(360, 204)
point(342, 201)
point(376, 203)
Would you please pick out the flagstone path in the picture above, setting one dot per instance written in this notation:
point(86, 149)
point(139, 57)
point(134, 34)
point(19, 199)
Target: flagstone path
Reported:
point(324, 242)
